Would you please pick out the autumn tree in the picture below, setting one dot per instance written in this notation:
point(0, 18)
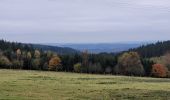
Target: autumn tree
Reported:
point(130, 64)
point(159, 70)
point(36, 61)
point(54, 63)
point(4, 62)
point(18, 53)
point(37, 54)
point(77, 67)
point(18, 63)
point(29, 56)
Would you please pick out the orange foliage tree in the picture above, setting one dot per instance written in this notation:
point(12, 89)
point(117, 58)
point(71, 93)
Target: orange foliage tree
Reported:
point(159, 70)
point(54, 63)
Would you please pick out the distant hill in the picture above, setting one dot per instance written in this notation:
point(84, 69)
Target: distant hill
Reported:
point(153, 50)
point(102, 47)
point(5, 45)
point(59, 50)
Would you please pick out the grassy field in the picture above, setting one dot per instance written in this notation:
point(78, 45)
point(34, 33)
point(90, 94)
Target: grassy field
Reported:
point(26, 85)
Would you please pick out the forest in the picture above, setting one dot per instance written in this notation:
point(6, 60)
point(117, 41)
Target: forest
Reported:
point(134, 62)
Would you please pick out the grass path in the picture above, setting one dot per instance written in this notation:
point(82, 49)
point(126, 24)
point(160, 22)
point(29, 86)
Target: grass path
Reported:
point(37, 85)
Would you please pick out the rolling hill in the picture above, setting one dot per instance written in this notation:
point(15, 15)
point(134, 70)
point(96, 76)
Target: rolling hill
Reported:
point(5, 45)
point(153, 49)
point(100, 47)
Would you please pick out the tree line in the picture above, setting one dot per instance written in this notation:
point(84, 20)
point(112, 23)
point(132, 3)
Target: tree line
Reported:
point(23, 56)
point(153, 49)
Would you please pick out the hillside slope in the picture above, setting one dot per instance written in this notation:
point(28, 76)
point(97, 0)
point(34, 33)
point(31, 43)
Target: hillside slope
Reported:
point(153, 50)
point(59, 50)
point(7, 46)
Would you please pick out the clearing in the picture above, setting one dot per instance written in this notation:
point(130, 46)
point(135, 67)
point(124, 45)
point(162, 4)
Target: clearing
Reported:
point(39, 85)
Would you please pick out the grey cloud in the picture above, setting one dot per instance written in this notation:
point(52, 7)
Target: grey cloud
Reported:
point(84, 20)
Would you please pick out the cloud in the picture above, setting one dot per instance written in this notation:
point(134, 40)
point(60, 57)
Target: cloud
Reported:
point(84, 20)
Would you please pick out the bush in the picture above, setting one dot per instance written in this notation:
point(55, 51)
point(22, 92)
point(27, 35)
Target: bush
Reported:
point(16, 64)
point(35, 64)
point(45, 66)
point(77, 67)
point(95, 68)
point(159, 70)
point(4, 62)
point(108, 70)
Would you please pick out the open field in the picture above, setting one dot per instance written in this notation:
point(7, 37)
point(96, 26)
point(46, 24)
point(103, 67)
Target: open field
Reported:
point(26, 85)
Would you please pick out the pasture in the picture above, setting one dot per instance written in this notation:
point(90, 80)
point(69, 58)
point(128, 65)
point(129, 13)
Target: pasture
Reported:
point(39, 85)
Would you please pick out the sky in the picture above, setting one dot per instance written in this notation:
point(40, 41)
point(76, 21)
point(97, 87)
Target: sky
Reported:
point(84, 21)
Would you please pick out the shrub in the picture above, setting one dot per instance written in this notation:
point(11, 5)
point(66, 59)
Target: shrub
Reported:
point(4, 62)
point(45, 66)
point(17, 64)
point(35, 64)
point(159, 70)
point(77, 67)
point(95, 68)
point(108, 70)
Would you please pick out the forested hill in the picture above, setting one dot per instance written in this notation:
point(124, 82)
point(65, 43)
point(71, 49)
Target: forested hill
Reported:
point(12, 46)
point(153, 50)
point(59, 50)
point(26, 56)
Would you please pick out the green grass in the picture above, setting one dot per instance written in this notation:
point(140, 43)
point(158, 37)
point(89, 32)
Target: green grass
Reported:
point(37, 85)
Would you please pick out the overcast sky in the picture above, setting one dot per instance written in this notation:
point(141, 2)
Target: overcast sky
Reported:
point(84, 21)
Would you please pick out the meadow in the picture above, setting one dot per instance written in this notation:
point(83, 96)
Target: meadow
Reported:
point(39, 85)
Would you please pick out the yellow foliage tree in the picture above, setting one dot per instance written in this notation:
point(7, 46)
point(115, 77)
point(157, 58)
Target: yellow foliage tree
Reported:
point(37, 54)
point(29, 56)
point(130, 64)
point(18, 52)
point(77, 67)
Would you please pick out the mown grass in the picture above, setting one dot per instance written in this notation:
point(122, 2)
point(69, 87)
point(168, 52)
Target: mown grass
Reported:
point(37, 85)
